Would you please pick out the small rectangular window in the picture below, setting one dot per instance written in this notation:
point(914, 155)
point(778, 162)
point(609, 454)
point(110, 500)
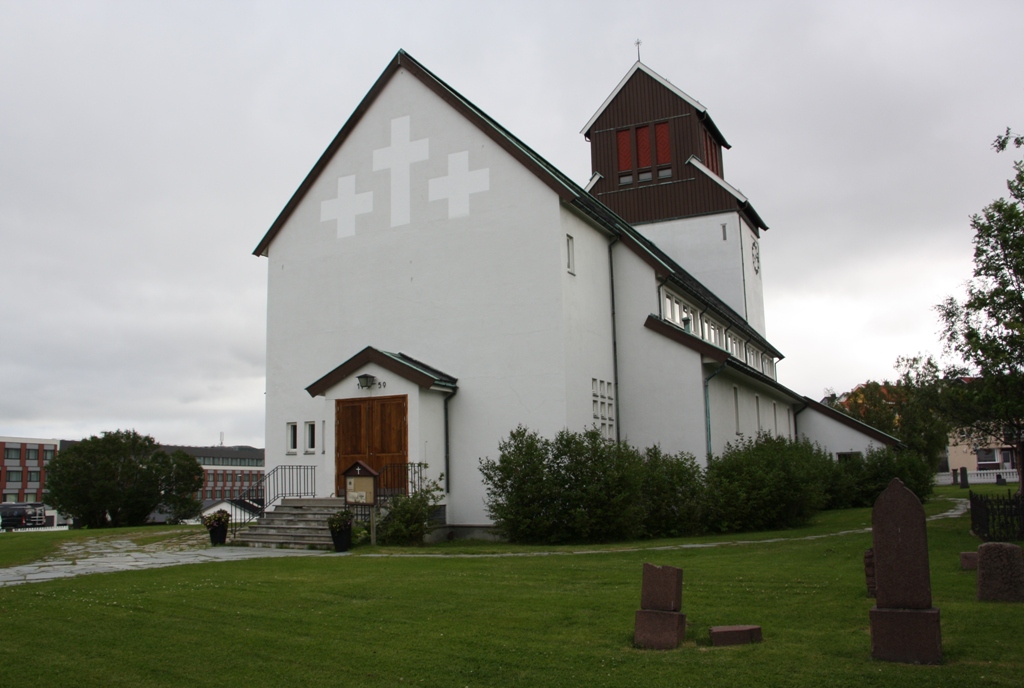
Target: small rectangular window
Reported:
point(775, 417)
point(12, 453)
point(596, 415)
point(571, 254)
point(725, 235)
point(644, 176)
point(33, 476)
point(757, 410)
point(47, 455)
point(31, 454)
point(292, 437)
point(664, 173)
point(14, 476)
point(10, 496)
point(625, 179)
point(310, 436)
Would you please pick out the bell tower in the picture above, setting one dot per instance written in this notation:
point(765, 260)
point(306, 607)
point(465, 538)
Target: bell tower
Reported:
point(657, 160)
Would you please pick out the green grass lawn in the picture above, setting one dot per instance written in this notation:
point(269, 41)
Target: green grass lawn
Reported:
point(559, 620)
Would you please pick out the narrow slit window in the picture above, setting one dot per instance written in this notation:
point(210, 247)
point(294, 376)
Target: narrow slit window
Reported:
point(292, 437)
point(736, 407)
point(571, 254)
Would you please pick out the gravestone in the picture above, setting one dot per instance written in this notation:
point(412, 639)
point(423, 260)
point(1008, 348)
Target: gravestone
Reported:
point(968, 561)
point(964, 484)
point(659, 623)
point(869, 571)
point(1000, 480)
point(1000, 572)
point(904, 625)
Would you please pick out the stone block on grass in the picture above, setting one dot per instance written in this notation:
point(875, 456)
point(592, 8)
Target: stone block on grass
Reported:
point(910, 636)
point(968, 561)
point(735, 635)
point(657, 630)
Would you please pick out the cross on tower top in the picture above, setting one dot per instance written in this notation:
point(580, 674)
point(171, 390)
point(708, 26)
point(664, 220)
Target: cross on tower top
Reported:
point(638, 43)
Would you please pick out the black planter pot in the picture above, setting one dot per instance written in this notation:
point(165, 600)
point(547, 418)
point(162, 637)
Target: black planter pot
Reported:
point(218, 535)
point(342, 539)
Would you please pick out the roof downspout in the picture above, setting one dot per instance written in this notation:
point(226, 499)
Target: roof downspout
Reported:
point(707, 405)
point(796, 433)
point(615, 342)
point(447, 467)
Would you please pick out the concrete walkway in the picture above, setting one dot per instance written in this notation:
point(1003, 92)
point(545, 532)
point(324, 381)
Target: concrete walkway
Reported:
point(98, 555)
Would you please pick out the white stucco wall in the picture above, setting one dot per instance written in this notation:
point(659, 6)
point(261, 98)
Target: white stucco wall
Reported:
point(477, 295)
point(588, 322)
point(696, 243)
point(729, 387)
point(753, 285)
point(660, 383)
point(831, 434)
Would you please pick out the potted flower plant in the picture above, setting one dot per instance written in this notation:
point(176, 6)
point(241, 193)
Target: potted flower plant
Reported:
point(217, 524)
point(340, 523)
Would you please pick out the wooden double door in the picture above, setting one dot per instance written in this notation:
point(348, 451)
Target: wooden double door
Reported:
point(374, 430)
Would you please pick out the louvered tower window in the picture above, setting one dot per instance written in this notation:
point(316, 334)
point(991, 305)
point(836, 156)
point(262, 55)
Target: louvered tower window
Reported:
point(644, 153)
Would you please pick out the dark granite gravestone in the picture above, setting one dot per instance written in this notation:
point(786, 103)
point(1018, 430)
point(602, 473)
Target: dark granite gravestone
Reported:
point(662, 588)
point(904, 625)
point(964, 484)
point(1000, 572)
point(869, 571)
point(1000, 480)
point(659, 623)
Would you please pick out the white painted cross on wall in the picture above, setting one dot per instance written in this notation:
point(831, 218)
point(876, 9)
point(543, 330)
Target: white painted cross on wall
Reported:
point(346, 206)
point(398, 158)
point(459, 184)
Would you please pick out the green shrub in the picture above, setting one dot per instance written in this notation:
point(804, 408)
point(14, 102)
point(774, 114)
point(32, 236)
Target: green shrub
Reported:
point(856, 481)
point(576, 488)
point(407, 520)
point(765, 483)
point(673, 491)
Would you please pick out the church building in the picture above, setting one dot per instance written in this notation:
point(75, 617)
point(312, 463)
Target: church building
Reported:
point(434, 283)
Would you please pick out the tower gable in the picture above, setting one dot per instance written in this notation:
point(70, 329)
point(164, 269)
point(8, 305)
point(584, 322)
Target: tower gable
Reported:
point(641, 141)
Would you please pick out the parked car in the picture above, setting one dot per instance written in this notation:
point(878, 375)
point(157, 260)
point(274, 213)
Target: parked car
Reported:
point(26, 515)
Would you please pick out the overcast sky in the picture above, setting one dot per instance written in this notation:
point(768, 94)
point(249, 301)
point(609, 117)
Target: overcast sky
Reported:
point(146, 147)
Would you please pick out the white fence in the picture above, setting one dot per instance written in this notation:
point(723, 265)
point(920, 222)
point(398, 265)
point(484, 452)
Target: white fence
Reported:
point(979, 477)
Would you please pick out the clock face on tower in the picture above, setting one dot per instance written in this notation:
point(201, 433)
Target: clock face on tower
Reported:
point(755, 257)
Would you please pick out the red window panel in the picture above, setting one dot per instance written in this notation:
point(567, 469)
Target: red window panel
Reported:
point(625, 151)
point(663, 152)
point(643, 146)
point(711, 154)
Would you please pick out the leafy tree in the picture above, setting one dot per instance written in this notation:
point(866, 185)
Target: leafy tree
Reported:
point(910, 409)
point(120, 478)
point(986, 330)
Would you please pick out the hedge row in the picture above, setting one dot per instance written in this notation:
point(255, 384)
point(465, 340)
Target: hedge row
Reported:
point(580, 488)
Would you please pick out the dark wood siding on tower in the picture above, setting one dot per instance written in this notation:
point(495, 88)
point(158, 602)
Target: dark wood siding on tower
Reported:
point(641, 102)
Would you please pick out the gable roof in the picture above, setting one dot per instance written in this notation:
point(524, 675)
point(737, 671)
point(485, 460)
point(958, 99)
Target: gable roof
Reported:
point(851, 422)
point(404, 366)
point(567, 190)
point(733, 191)
point(705, 118)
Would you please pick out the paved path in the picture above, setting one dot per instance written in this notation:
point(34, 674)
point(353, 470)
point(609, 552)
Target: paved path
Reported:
point(99, 555)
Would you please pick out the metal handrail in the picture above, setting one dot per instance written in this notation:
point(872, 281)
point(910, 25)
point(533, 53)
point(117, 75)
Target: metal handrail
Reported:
point(283, 481)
